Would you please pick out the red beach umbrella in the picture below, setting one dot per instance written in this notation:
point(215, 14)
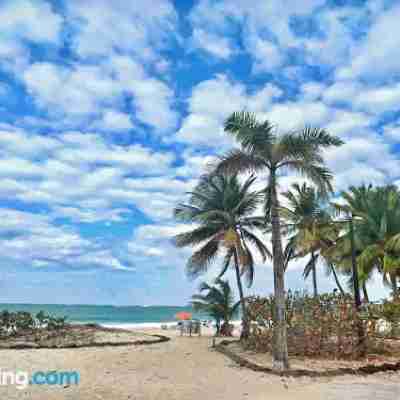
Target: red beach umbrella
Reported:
point(183, 316)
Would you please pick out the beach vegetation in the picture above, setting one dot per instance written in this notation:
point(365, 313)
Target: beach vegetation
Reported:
point(265, 151)
point(217, 301)
point(222, 209)
point(309, 228)
point(355, 237)
point(376, 215)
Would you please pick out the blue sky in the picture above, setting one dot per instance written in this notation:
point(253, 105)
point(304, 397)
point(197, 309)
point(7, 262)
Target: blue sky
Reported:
point(109, 110)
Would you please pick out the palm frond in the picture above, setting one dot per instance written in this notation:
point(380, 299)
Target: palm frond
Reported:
point(251, 134)
point(201, 259)
point(196, 236)
point(237, 161)
point(261, 247)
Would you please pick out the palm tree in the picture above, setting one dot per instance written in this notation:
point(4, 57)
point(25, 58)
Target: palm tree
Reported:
point(217, 302)
point(310, 227)
point(263, 150)
point(376, 213)
point(223, 210)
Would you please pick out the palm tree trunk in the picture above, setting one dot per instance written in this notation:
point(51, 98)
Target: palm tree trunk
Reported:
point(340, 287)
point(395, 289)
point(245, 323)
point(314, 275)
point(280, 350)
point(365, 292)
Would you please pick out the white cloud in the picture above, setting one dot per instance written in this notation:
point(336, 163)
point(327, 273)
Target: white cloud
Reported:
point(20, 21)
point(333, 47)
point(84, 178)
point(154, 243)
point(204, 124)
point(203, 130)
point(153, 103)
point(16, 167)
point(195, 164)
point(391, 132)
point(32, 238)
point(114, 121)
point(83, 91)
point(362, 159)
point(380, 99)
point(255, 18)
point(24, 19)
point(361, 96)
point(347, 123)
point(294, 115)
point(341, 91)
point(77, 91)
point(267, 55)
point(312, 90)
point(18, 142)
point(135, 28)
point(219, 47)
point(378, 55)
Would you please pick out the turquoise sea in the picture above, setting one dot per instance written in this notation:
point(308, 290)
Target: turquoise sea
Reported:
point(105, 315)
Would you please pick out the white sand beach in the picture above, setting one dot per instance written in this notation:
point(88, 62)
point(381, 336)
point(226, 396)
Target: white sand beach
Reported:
point(181, 369)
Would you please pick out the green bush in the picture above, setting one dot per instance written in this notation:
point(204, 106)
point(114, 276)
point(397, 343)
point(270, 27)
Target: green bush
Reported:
point(15, 323)
point(391, 313)
point(328, 325)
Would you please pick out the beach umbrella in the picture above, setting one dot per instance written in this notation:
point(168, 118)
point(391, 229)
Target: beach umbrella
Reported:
point(183, 316)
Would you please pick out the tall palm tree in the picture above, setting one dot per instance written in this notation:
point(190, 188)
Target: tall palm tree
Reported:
point(218, 302)
point(263, 150)
point(376, 213)
point(309, 226)
point(222, 208)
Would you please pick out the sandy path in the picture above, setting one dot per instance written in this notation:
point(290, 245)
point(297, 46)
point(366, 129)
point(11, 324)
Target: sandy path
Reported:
point(182, 369)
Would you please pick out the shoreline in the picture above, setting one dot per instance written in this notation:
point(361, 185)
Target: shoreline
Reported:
point(170, 326)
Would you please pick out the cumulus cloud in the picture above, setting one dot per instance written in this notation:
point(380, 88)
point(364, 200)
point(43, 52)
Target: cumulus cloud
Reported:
point(81, 91)
point(137, 29)
point(114, 121)
point(24, 18)
point(22, 21)
point(81, 176)
point(268, 29)
point(30, 238)
point(217, 46)
point(214, 100)
point(377, 56)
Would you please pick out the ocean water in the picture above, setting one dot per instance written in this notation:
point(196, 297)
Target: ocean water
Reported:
point(106, 315)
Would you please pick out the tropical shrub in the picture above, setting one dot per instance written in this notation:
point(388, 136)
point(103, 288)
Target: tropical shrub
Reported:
point(324, 326)
point(390, 312)
point(15, 323)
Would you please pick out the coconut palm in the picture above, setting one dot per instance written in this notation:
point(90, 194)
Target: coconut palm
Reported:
point(376, 213)
point(222, 208)
point(310, 228)
point(263, 150)
point(217, 302)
